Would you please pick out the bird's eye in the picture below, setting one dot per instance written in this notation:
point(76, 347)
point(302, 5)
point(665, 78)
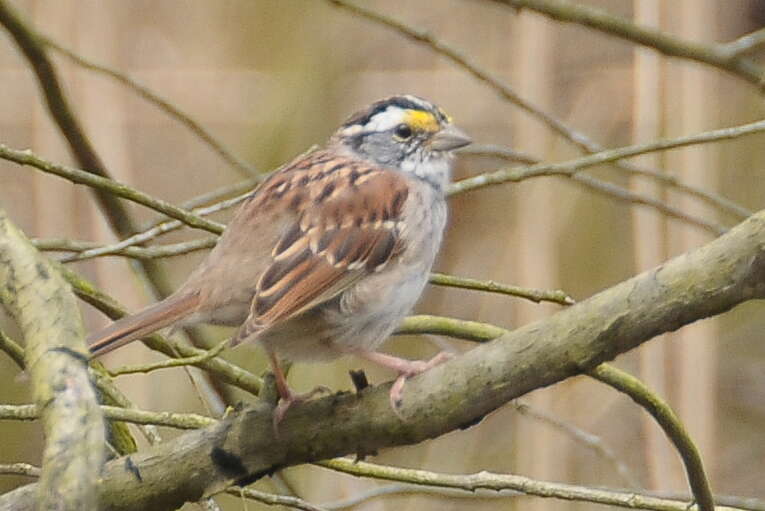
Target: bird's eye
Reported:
point(402, 131)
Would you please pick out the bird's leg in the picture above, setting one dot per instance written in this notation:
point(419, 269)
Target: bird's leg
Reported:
point(405, 369)
point(286, 396)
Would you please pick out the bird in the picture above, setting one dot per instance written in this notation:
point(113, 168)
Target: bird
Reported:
point(329, 254)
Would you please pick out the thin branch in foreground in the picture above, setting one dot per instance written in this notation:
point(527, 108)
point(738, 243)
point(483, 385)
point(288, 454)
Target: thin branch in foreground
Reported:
point(415, 489)
point(219, 194)
point(154, 252)
point(121, 190)
point(157, 230)
point(173, 362)
point(745, 44)
point(12, 349)
point(669, 422)
point(19, 469)
point(490, 286)
point(492, 481)
point(451, 327)
point(731, 501)
point(132, 415)
point(226, 371)
point(163, 104)
point(717, 201)
point(572, 167)
point(273, 499)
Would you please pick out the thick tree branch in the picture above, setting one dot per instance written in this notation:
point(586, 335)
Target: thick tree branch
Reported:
point(56, 357)
point(701, 283)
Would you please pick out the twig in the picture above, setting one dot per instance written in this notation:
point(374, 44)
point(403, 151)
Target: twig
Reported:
point(721, 203)
point(121, 190)
point(272, 499)
point(731, 501)
point(12, 349)
point(490, 286)
point(461, 60)
point(20, 469)
point(226, 371)
point(594, 442)
point(415, 489)
point(173, 362)
point(492, 481)
point(216, 195)
point(155, 231)
point(622, 194)
point(155, 252)
point(745, 44)
point(669, 422)
point(132, 415)
point(163, 104)
point(714, 55)
point(572, 167)
point(64, 117)
point(457, 328)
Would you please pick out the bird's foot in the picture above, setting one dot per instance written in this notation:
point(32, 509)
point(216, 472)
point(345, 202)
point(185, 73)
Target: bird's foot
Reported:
point(410, 368)
point(289, 398)
point(405, 369)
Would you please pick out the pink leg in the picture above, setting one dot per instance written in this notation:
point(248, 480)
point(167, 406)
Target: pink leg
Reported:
point(286, 396)
point(405, 369)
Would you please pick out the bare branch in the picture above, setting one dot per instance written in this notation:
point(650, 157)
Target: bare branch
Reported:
point(132, 415)
point(723, 204)
point(63, 116)
point(12, 348)
point(500, 482)
point(669, 422)
point(274, 500)
point(113, 187)
point(20, 469)
point(535, 295)
point(746, 44)
point(584, 437)
point(226, 371)
point(577, 138)
point(163, 104)
point(714, 55)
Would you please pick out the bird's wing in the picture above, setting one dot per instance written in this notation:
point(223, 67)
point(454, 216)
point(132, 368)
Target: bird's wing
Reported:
point(349, 226)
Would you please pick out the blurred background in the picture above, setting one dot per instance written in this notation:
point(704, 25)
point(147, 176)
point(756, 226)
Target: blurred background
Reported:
point(271, 78)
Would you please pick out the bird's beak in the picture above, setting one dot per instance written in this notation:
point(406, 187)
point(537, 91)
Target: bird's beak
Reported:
point(449, 138)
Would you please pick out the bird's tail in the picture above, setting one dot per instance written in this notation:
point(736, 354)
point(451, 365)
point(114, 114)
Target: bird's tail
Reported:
point(142, 323)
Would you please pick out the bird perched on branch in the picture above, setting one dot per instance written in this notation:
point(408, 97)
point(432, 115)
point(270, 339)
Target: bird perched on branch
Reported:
point(328, 255)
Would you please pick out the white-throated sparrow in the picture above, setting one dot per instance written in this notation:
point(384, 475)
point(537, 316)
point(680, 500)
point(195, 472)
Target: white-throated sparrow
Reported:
point(329, 254)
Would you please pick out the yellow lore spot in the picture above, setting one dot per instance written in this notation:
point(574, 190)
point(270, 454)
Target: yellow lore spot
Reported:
point(421, 121)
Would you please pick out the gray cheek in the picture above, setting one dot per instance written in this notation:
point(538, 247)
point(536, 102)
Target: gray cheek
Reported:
point(381, 149)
